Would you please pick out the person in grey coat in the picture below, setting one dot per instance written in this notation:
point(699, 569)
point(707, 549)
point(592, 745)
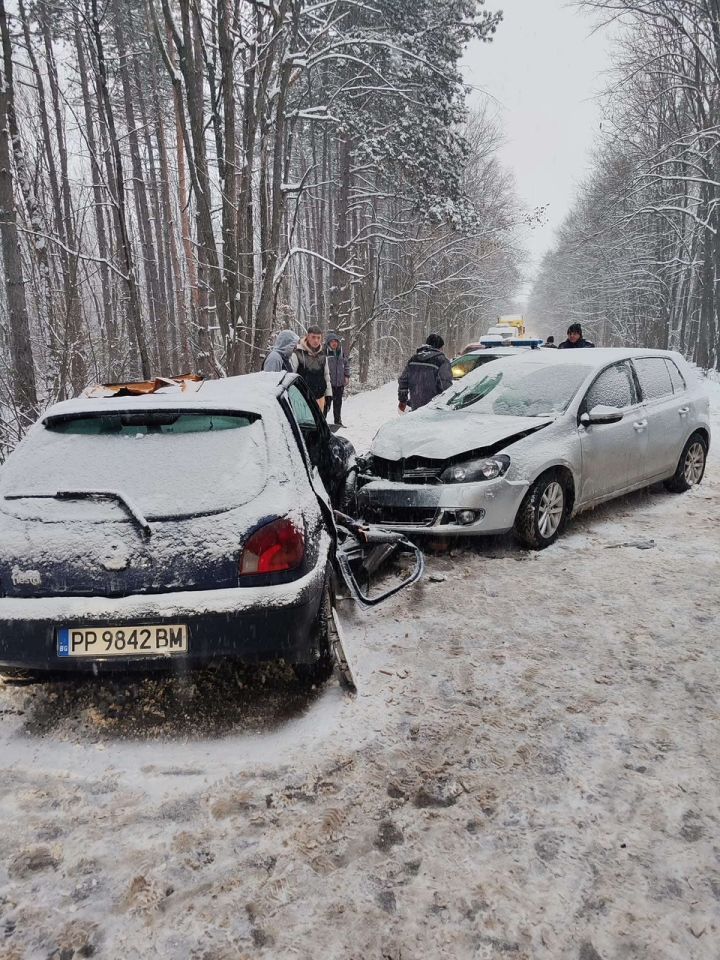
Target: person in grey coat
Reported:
point(428, 373)
point(279, 357)
point(339, 368)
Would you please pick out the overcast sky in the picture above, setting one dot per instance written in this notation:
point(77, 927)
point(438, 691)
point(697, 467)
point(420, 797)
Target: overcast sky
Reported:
point(544, 68)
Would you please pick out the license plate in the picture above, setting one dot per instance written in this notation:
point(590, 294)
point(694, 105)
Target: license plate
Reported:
point(129, 641)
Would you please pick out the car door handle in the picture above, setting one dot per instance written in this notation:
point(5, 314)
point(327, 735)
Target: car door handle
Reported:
point(640, 425)
point(683, 410)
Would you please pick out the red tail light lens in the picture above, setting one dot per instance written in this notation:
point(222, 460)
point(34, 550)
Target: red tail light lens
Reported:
point(276, 547)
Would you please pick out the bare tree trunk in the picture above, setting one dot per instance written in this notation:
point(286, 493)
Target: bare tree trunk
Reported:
point(274, 203)
point(25, 180)
point(155, 227)
point(340, 302)
point(253, 97)
point(228, 185)
point(109, 324)
point(73, 359)
point(124, 243)
point(142, 211)
point(58, 223)
point(183, 193)
point(179, 326)
point(23, 367)
point(190, 67)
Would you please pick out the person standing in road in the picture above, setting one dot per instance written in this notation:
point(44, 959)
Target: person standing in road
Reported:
point(279, 357)
point(311, 362)
point(339, 369)
point(427, 374)
point(550, 342)
point(574, 338)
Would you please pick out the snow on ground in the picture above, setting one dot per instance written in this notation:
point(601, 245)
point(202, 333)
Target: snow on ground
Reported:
point(363, 414)
point(529, 770)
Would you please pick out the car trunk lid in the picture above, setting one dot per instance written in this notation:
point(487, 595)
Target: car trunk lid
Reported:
point(115, 558)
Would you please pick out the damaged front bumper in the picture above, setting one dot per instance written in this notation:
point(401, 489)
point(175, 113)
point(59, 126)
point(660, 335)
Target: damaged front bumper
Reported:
point(459, 509)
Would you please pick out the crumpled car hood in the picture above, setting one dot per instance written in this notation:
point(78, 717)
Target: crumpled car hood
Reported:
point(440, 434)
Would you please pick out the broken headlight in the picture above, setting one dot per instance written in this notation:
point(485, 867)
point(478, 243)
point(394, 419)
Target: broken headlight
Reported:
point(473, 470)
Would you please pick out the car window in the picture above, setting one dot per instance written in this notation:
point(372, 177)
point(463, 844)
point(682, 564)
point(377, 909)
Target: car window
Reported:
point(655, 382)
point(465, 364)
point(678, 381)
point(148, 421)
point(508, 388)
point(301, 408)
point(169, 463)
point(613, 388)
point(309, 423)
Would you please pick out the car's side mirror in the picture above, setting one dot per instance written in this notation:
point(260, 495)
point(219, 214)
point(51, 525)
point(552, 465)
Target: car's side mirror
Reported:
point(601, 414)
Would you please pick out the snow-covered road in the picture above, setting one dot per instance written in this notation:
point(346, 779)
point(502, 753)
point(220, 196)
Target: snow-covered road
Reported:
point(529, 770)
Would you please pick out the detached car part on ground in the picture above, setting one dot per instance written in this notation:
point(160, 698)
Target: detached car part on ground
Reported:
point(178, 526)
point(528, 440)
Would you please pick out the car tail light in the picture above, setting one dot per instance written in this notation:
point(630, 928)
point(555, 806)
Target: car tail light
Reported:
point(276, 547)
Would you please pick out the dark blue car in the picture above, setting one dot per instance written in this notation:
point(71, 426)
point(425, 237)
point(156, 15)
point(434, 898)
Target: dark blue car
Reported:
point(187, 524)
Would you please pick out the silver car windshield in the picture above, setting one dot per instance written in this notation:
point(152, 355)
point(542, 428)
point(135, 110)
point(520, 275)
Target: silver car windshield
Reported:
point(516, 390)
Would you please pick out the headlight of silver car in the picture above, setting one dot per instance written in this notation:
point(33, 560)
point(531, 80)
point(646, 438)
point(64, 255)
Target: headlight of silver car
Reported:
point(473, 470)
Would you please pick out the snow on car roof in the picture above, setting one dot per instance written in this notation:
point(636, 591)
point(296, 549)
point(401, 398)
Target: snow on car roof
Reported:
point(250, 392)
point(493, 352)
point(594, 357)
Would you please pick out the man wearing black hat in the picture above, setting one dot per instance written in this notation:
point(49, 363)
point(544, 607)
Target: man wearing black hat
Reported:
point(574, 338)
point(427, 374)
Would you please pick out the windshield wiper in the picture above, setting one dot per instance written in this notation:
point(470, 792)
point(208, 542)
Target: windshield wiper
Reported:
point(122, 498)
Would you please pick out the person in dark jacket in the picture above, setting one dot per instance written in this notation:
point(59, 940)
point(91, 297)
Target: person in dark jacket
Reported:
point(574, 338)
point(427, 374)
point(310, 361)
point(550, 342)
point(339, 369)
point(279, 357)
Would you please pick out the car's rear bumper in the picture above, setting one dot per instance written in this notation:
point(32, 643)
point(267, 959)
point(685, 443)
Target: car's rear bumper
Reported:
point(249, 623)
point(435, 508)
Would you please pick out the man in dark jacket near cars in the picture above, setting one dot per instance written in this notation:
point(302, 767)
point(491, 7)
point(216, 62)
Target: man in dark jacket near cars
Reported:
point(339, 369)
point(427, 374)
point(574, 338)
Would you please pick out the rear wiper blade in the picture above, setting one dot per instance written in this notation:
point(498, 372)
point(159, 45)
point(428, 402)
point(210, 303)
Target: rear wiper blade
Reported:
point(130, 506)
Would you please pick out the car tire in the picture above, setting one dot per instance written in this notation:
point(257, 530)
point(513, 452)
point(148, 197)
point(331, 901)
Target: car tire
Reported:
point(348, 497)
point(543, 512)
point(691, 465)
point(319, 669)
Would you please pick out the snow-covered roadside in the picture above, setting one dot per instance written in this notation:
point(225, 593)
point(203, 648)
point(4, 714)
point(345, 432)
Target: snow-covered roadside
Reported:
point(529, 770)
point(365, 412)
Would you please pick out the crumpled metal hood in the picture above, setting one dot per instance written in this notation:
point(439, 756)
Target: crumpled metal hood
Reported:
point(440, 434)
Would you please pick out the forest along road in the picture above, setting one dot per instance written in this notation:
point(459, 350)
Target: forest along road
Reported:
point(529, 770)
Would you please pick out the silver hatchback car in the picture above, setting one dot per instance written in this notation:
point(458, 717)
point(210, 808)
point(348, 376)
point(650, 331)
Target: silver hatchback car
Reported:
point(525, 442)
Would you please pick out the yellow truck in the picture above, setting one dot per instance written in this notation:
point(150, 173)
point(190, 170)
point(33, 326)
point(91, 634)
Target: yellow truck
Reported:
point(515, 320)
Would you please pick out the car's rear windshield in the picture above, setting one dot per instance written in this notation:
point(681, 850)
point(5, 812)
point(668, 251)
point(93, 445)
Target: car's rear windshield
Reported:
point(170, 463)
point(512, 389)
point(151, 421)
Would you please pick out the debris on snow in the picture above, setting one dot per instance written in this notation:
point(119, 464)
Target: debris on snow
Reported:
point(642, 543)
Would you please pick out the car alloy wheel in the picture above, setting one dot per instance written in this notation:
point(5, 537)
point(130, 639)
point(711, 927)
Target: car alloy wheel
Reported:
point(691, 465)
point(551, 509)
point(544, 510)
point(694, 465)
